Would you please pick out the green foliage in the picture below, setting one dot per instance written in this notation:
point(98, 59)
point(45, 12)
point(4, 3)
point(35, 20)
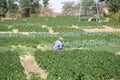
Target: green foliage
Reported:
point(79, 65)
point(115, 16)
point(4, 49)
point(29, 25)
point(114, 5)
point(29, 6)
point(26, 3)
point(10, 66)
point(84, 43)
point(35, 8)
point(1, 11)
point(87, 2)
point(8, 5)
point(70, 39)
point(35, 77)
point(3, 7)
point(60, 24)
point(13, 8)
point(96, 62)
point(45, 2)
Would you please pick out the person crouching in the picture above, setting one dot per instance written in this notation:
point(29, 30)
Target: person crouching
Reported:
point(58, 44)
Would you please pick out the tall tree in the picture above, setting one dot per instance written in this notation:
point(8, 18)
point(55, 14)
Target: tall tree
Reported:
point(45, 2)
point(114, 5)
point(35, 7)
point(86, 4)
point(3, 8)
point(12, 7)
point(25, 6)
point(29, 6)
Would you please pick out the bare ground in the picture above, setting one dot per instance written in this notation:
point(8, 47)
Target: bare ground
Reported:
point(44, 47)
point(105, 29)
point(31, 66)
point(51, 31)
point(117, 53)
point(67, 49)
point(16, 31)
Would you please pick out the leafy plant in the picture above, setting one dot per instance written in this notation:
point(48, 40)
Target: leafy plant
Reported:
point(79, 64)
point(115, 16)
point(10, 66)
point(60, 24)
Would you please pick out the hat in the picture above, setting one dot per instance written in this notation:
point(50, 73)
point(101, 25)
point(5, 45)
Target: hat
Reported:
point(61, 39)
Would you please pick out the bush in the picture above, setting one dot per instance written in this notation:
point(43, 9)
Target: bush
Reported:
point(115, 16)
point(114, 5)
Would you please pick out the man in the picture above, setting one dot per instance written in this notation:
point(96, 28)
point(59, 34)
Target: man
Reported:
point(58, 44)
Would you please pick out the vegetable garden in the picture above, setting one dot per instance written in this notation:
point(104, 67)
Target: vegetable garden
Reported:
point(85, 55)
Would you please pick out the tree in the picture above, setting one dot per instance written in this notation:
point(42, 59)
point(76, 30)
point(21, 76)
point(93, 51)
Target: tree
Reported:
point(45, 2)
point(12, 7)
point(29, 6)
point(25, 6)
point(67, 8)
point(3, 8)
point(86, 4)
point(35, 7)
point(8, 6)
point(114, 5)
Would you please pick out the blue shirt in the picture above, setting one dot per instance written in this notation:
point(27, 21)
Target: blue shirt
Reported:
point(57, 45)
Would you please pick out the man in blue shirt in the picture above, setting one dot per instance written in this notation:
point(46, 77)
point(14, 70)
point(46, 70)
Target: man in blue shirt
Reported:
point(58, 44)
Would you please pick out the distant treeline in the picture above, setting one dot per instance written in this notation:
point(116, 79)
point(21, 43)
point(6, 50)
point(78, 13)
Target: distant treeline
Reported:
point(23, 7)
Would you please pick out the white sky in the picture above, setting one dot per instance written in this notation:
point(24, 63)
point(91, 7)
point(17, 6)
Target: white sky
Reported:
point(57, 5)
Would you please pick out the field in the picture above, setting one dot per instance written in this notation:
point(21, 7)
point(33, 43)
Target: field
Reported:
point(91, 50)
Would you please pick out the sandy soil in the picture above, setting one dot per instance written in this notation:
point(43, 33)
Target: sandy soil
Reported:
point(31, 66)
point(51, 31)
point(117, 53)
point(105, 29)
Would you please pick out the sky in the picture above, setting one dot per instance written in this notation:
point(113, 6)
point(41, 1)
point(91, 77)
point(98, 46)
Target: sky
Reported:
point(57, 5)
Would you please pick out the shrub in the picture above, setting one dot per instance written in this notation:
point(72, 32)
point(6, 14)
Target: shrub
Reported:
point(115, 16)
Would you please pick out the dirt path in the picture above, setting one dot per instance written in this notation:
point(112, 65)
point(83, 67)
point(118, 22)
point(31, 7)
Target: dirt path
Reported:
point(51, 31)
point(31, 66)
point(105, 29)
point(68, 49)
point(117, 53)
point(16, 31)
point(25, 33)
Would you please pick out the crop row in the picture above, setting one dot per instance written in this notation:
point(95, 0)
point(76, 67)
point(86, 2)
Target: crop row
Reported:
point(79, 65)
point(83, 43)
point(70, 34)
point(59, 24)
point(10, 66)
point(70, 40)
